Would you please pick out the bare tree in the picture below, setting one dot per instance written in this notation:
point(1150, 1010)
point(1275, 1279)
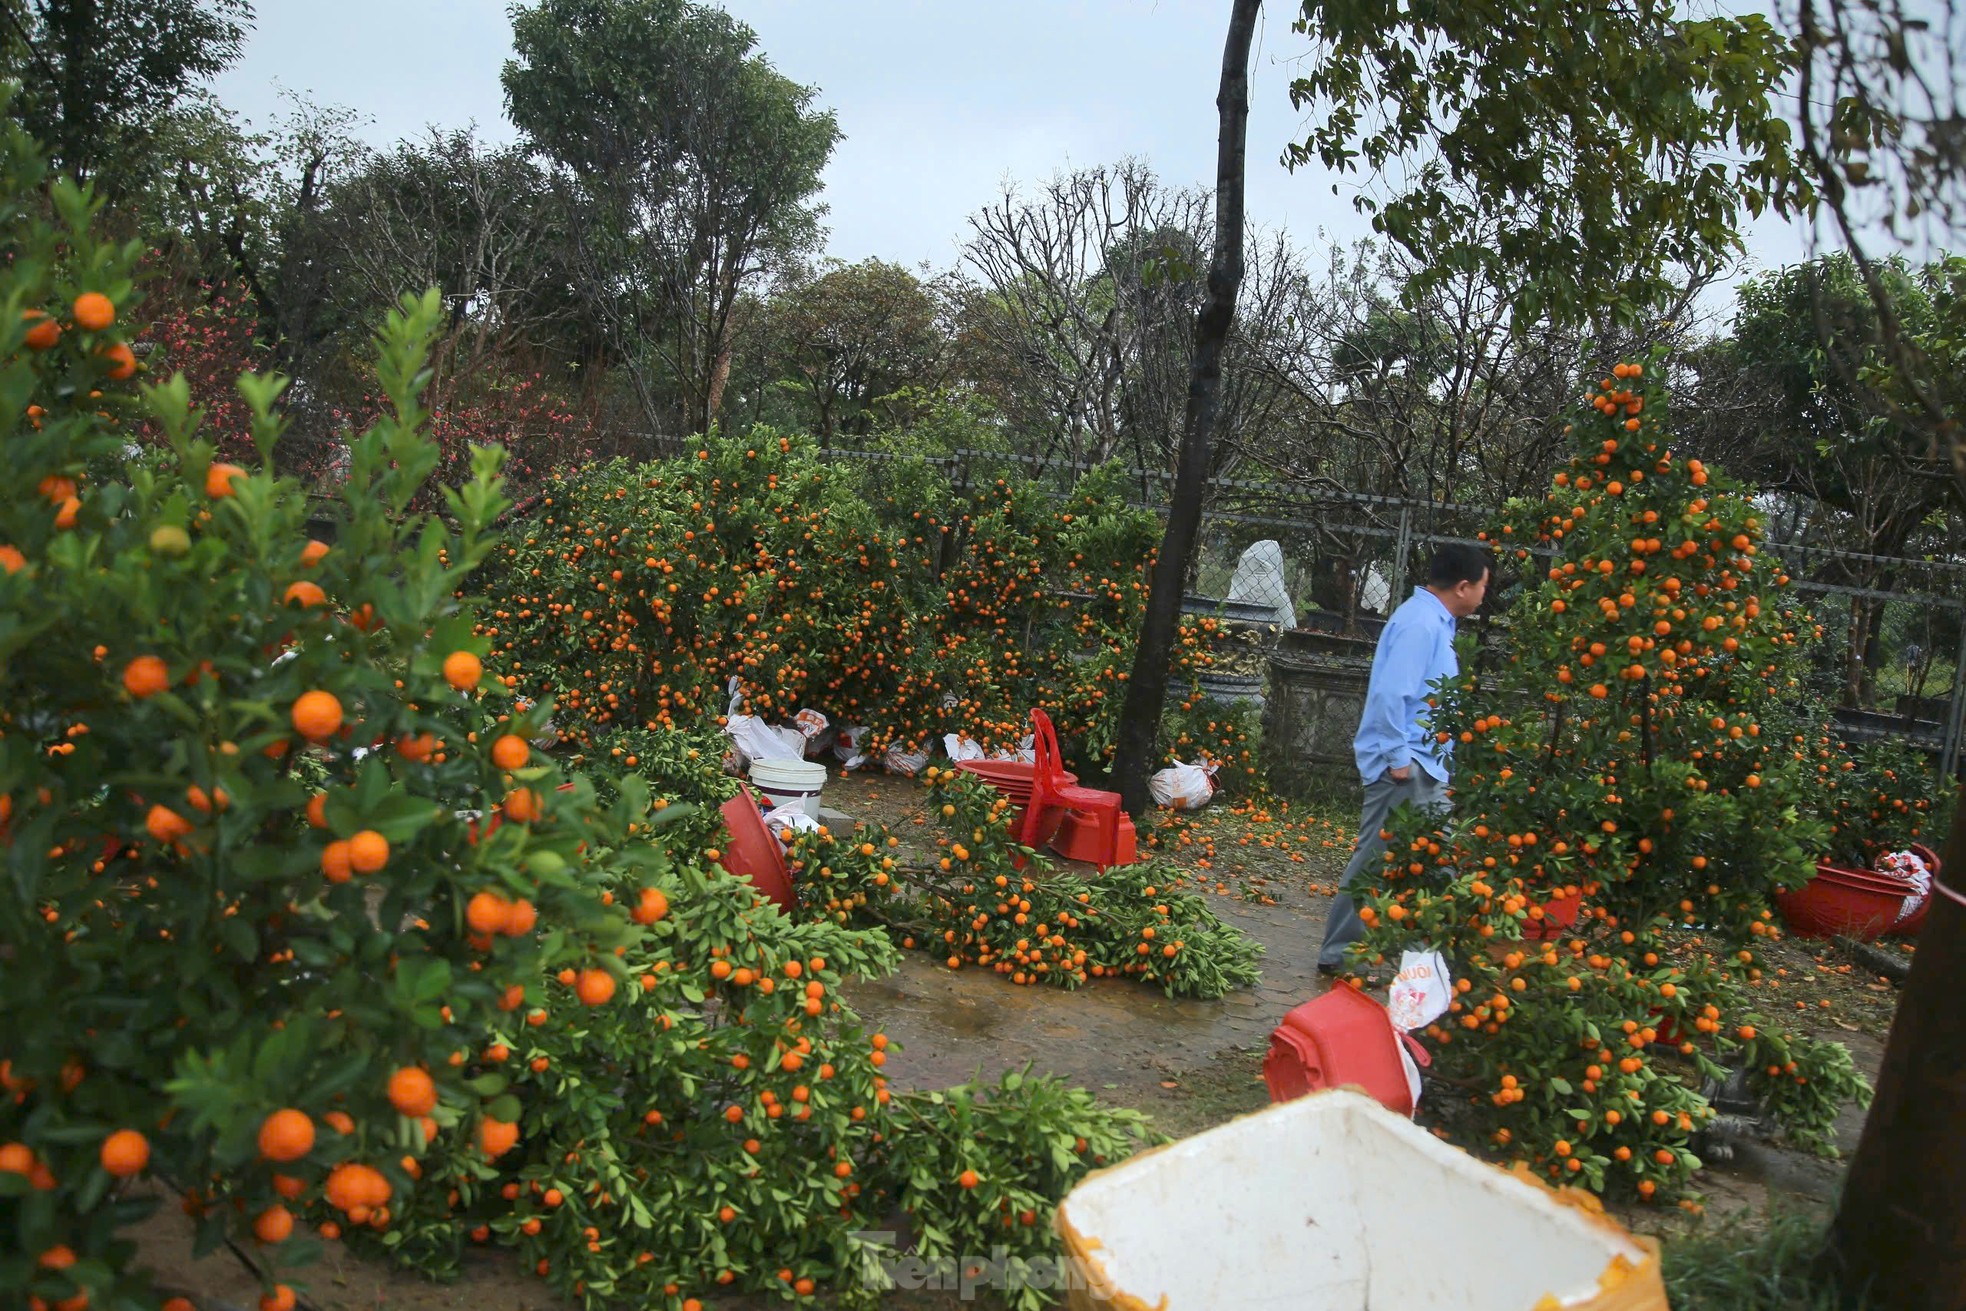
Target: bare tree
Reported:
point(1080, 323)
point(1881, 99)
point(476, 223)
point(1046, 329)
point(1140, 716)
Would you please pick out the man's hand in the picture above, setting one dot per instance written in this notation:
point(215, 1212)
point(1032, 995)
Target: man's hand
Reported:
point(1401, 774)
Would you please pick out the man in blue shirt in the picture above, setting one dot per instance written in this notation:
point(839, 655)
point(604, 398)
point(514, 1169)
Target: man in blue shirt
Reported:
point(1399, 760)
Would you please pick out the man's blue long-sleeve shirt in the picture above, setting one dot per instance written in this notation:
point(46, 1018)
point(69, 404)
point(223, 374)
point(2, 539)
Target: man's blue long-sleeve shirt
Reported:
point(1416, 649)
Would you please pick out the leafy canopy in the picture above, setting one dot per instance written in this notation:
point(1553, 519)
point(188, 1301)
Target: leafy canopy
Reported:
point(101, 78)
point(1572, 153)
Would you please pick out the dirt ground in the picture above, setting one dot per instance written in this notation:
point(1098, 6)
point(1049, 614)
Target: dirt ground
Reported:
point(1188, 1064)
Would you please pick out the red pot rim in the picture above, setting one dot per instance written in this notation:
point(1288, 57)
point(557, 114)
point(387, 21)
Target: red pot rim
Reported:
point(1886, 901)
point(1861, 878)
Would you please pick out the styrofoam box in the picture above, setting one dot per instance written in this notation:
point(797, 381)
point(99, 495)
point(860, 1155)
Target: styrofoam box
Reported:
point(1332, 1203)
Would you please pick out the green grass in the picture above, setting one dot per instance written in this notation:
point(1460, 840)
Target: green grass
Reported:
point(1754, 1263)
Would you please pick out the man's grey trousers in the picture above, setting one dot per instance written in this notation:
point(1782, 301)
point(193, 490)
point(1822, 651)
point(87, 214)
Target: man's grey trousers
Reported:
point(1382, 796)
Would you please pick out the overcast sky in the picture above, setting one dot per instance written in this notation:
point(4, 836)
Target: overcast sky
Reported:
point(939, 101)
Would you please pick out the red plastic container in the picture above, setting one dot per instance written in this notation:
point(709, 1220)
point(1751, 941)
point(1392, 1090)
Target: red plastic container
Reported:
point(1842, 901)
point(1559, 915)
point(1081, 837)
point(1341, 1039)
point(753, 851)
point(1008, 776)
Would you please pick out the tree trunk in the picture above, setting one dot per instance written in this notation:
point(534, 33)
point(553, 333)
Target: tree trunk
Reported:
point(719, 379)
point(722, 306)
point(1147, 686)
point(1853, 651)
point(1900, 1232)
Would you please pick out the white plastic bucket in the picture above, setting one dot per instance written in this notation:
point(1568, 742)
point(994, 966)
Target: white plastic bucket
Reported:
point(1333, 1203)
point(784, 782)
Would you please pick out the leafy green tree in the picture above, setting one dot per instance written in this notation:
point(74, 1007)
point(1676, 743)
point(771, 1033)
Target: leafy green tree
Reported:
point(1574, 153)
point(100, 79)
point(853, 335)
point(689, 168)
point(1799, 399)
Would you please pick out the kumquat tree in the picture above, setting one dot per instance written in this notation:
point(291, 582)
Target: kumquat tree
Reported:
point(638, 591)
point(548, 722)
point(302, 934)
point(1628, 788)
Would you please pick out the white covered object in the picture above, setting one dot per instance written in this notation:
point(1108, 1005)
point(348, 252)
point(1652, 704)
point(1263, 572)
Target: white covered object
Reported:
point(1183, 787)
point(1259, 580)
point(792, 782)
point(1333, 1203)
point(1377, 594)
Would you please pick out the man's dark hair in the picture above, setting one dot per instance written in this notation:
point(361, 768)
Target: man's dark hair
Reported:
point(1457, 563)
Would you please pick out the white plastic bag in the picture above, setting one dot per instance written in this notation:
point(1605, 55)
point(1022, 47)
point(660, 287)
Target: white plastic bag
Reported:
point(754, 739)
point(1420, 992)
point(791, 816)
point(548, 735)
point(1412, 1071)
point(1027, 751)
point(961, 746)
point(817, 730)
point(1183, 787)
point(904, 762)
point(847, 746)
point(1419, 996)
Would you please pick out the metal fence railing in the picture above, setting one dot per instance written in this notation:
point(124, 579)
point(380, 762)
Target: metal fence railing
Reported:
point(1350, 547)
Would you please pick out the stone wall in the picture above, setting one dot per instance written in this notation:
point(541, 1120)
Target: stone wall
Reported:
point(1317, 692)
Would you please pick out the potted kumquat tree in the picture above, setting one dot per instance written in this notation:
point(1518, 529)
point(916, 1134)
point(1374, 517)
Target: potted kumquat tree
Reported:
point(1626, 792)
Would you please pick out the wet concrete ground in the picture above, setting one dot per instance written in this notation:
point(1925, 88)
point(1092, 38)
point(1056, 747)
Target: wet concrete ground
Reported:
point(955, 1024)
point(1114, 1036)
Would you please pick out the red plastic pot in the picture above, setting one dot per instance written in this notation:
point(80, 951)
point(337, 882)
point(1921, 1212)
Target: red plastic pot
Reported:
point(1336, 1040)
point(1559, 915)
point(1841, 901)
point(753, 851)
